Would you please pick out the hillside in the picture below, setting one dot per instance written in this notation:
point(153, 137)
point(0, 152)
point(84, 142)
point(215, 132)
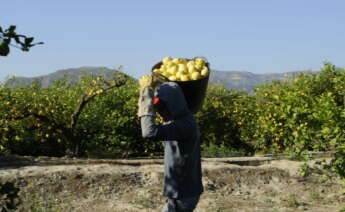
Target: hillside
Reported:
point(237, 80)
point(242, 80)
point(73, 75)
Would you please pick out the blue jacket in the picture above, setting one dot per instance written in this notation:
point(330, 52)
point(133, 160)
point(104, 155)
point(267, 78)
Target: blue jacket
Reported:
point(181, 140)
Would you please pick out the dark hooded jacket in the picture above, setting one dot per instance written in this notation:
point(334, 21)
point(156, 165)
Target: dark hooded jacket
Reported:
point(181, 140)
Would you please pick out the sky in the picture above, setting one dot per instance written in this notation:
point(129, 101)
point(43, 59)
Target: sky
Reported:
point(266, 36)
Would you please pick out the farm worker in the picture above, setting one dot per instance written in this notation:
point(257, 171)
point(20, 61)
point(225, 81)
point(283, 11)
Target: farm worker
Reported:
point(181, 139)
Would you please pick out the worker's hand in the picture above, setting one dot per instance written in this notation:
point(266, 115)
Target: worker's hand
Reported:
point(145, 103)
point(146, 81)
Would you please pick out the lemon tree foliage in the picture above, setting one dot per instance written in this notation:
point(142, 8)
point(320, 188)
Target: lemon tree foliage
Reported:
point(51, 121)
point(9, 35)
point(97, 117)
point(226, 119)
point(301, 115)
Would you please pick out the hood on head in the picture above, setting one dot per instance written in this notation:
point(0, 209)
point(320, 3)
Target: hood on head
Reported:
point(172, 95)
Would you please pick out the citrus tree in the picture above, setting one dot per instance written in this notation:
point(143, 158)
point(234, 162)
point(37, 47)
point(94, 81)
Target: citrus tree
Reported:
point(301, 115)
point(46, 121)
point(223, 120)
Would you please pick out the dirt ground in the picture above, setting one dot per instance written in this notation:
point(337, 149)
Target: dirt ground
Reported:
point(231, 184)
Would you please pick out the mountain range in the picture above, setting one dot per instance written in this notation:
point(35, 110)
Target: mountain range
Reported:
point(236, 80)
point(72, 75)
point(242, 80)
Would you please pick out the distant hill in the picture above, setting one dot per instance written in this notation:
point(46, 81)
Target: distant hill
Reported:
point(242, 80)
point(74, 75)
point(236, 80)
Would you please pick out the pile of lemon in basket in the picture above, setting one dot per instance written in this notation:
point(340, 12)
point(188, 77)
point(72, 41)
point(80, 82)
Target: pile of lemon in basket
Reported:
point(179, 69)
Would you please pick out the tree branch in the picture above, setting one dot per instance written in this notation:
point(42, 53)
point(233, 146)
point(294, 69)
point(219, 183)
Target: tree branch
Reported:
point(87, 98)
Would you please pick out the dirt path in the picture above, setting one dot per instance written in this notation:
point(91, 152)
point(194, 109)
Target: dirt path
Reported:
point(231, 184)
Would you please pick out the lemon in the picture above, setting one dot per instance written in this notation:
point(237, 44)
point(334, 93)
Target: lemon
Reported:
point(163, 68)
point(204, 71)
point(169, 64)
point(200, 61)
point(182, 68)
point(191, 69)
point(178, 75)
point(167, 59)
point(199, 66)
point(184, 77)
point(190, 63)
point(176, 60)
point(172, 70)
point(195, 76)
point(173, 78)
point(166, 74)
point(182, 61)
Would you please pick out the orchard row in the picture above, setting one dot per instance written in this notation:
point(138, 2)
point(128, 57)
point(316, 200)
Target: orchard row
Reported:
point(98, 117)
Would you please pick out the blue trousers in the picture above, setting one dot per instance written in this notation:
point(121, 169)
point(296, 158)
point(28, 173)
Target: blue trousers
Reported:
point(181, 205)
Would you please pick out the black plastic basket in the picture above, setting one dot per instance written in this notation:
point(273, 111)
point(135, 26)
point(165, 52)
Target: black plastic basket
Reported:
point(194, 90)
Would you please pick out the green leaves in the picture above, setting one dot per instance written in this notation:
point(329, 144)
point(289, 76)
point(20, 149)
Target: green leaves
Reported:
point(36, 120)
point(11, 29)
point(305, 114)
point(225, 119)
point(24, 43)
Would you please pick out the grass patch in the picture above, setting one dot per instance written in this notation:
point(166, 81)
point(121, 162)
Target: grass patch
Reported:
point(315, 195)
point(214, 151)
point(342, 210)
point(292, 201)
point(143, 203)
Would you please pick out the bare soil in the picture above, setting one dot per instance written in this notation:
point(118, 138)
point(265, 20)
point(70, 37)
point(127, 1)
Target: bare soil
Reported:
point(231, 184)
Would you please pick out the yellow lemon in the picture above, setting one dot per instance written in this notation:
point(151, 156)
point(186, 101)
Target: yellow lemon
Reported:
point(163, 68)
point(204, 71)
point(183, 61)
point(169, 64)
point(166, 74)
point(178, 75)
point(172, 70)
point(195, 75)
point(173, 78)
point(199, 66)
point(182, 68)
point(166, 60)
point(200, 61)
point(184, 77)
point(176, 60)
point(190, 63)
point(191, 69)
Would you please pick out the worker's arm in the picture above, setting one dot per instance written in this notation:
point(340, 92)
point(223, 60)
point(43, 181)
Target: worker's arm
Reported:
point(150, 130)
point(171, 131)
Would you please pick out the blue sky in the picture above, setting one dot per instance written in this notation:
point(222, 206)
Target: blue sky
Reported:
point(249, 35)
